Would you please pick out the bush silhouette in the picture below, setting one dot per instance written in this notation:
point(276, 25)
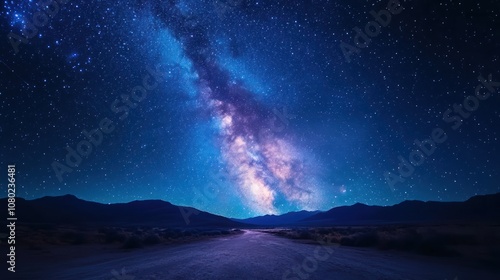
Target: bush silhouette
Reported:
point(114, 235)
point(152, 239)
point(132, 242)
point(74, 238)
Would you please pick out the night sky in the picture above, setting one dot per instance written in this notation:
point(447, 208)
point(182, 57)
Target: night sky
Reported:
point(242, 108)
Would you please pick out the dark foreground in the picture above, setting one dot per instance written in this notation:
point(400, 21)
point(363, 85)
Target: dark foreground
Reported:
point(251, 255)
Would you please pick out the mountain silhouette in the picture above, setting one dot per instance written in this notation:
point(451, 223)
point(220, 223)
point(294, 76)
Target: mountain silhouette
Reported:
point(481, 208)
point(69, 209)
point(285, 219)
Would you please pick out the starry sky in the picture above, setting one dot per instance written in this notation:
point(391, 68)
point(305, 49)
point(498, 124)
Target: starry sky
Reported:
point(244, 108)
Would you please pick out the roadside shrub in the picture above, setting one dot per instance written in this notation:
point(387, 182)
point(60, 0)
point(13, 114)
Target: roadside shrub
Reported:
point(406, 239)
point(42, 227)
point(305, 235)
point(281, 233)
point(113, 235)
point(132, 242)
point(460, 239)
point(324, 231)
point(361, 239)
point(434, 245)
point(171, 234)
point(367, 239)
point(210, 233)
point(152, 239)
point(346, 241)
point(74, 238)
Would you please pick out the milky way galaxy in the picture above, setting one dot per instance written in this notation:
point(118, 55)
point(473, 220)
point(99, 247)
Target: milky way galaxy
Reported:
point(262, 165)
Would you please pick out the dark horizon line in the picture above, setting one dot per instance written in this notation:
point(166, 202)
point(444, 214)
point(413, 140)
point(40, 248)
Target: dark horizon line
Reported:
point(409, 200)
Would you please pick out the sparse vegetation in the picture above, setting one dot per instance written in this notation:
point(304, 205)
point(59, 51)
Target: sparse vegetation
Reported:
point(113, 235)
point(152, 239)
point(133, 241)
point(425, 240)
point(38, 237)
point(73, 237)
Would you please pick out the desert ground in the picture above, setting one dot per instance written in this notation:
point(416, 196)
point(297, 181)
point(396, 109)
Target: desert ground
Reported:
point(251, 254)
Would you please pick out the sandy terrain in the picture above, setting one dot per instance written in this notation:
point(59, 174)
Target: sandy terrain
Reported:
point(251, 255)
